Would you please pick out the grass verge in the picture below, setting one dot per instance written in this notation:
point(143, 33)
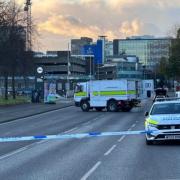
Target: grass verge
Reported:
point(11, 101)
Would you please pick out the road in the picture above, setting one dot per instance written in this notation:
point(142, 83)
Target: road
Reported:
point(104, 158)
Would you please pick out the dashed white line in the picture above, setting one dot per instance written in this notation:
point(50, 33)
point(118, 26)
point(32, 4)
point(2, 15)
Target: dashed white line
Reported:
point(133, 125)
point(14, 152)
point(110, 150)
point(30, 145)
point(91, 170)
point(119, 140)
point(40, 142)
point(130, 129)
point(70, 130)
point(87, 123)
point(102, 116)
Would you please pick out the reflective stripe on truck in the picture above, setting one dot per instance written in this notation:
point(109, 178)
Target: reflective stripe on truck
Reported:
point(81, 94)
point(113, 93)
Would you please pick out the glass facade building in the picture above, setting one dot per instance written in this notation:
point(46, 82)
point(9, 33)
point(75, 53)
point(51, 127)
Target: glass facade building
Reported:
point(129, 70)
point(127, 67)
point(78, 44)
point(149, 50)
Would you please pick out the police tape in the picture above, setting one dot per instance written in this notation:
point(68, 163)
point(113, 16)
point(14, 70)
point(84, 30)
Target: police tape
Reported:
point(73, 136)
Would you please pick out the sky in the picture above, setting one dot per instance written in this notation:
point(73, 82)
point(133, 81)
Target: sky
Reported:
point(58, 21)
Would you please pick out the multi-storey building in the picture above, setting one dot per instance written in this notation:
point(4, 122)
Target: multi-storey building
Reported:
point(108, 49)
point(149, 49)
point(61, 68)
point(120, 67)
point(78, 44)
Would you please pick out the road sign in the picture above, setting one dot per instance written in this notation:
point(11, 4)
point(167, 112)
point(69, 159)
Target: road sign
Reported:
point(40, 70)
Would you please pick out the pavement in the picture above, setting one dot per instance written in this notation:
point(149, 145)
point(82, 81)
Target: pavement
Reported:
point(10, 113)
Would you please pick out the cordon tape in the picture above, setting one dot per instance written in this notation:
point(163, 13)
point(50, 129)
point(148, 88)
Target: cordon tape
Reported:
point(74, 136)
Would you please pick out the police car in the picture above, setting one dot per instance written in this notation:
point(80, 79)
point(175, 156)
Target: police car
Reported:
point(163, 120)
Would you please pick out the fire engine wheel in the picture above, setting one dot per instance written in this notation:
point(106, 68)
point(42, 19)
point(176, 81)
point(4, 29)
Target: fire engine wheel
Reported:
point(112, 106)
point(85, 106)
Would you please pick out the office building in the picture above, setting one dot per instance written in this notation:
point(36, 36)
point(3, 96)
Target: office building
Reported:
point(120, 67)
point(78, 44)
point(108, 49)
point(148, 48)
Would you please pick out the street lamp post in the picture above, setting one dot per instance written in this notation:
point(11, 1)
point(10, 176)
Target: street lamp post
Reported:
point(144, 71)
point(90, 53)
point(68, 73)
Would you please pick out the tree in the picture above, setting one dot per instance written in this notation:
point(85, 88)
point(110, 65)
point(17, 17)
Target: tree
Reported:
point(174, 60)
point(162, 69)
point(4, 60)
point(26, 66)
point(14, 59)
point(161, 72)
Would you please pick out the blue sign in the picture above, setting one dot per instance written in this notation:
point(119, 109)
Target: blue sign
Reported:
point(96, 50)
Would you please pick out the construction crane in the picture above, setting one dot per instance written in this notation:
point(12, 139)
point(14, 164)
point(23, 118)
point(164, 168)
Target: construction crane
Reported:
point(27, 10)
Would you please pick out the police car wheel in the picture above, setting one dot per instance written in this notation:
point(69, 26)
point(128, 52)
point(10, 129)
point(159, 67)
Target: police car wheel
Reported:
point(85, 106)
point(149, 142)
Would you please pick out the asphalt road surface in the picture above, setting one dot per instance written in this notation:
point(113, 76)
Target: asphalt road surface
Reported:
point(106, 158)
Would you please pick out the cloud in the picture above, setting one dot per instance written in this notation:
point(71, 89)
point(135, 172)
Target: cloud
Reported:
point(137, 27)
point(61, 20)
point(160, 4)
point(130, 28)
point(68, 26)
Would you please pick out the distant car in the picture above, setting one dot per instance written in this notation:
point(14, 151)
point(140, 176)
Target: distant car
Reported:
point(163, 121)
point(177, 94)
point(52, 98)
point(159, 97)
point(161, 92)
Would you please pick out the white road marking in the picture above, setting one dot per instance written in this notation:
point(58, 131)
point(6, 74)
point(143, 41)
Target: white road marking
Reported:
point(70, 130)
point(13, 152)
point(40, 142)
point(110, 150)
point(87, 123)
point(133, 125)
point(91, 170)
point(30, 145)
point(101, 116)
point(36, 115)
point(130, 129)
point(121, 138)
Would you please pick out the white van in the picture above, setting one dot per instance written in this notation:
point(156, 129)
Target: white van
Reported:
point(177, 94)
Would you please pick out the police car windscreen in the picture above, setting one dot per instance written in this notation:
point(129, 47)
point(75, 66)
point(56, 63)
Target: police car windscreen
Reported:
point(166, 108)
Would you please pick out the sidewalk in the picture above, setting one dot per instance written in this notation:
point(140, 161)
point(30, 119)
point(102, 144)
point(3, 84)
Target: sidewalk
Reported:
point(10, 113)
